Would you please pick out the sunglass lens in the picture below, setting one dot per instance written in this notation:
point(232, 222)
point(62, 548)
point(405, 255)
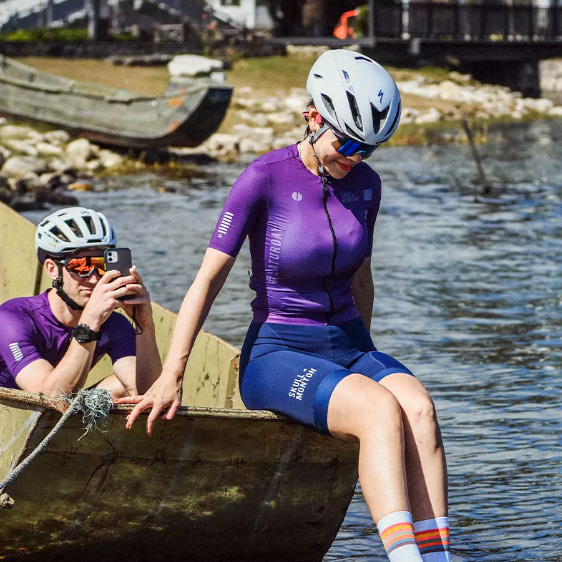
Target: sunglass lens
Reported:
point(368, 151)
point(351, 147)
point(83, 267)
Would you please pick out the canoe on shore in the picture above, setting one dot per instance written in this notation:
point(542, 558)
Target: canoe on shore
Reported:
point(216, 483)
point(186, 115)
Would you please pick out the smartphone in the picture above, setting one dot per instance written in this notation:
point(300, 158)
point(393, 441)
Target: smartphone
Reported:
point(120, 260)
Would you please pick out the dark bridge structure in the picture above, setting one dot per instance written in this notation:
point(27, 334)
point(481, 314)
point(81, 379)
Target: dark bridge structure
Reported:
point(496, 42)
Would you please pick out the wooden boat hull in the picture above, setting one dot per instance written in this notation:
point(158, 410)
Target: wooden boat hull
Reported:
point(215, 483)
point(184, 117)
point(208, 485)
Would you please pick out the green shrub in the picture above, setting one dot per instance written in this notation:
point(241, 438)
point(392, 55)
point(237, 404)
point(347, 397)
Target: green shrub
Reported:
point(46, 34)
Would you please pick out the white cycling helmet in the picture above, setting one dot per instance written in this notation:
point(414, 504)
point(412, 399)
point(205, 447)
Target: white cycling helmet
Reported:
point(75, 228)
point(355, 95)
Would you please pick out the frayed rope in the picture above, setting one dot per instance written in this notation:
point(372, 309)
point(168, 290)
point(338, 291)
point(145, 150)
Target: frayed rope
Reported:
point(95, 405)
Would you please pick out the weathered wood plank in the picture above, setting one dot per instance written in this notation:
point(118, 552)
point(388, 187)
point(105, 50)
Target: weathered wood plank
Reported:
point(204, 487)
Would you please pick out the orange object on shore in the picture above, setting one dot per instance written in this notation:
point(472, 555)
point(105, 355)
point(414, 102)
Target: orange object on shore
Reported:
point(343, 29)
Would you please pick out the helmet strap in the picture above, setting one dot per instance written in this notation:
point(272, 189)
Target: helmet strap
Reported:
point(57, 285)
point(312, 139)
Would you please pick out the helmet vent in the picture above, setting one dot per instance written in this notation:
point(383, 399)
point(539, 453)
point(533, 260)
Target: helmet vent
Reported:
point(395, 121)
point(364, 58)
point(56, 231)
point(354, 110)
point(352, 133)
point(379, 117)
point(73, 226)
point(329, 106)
point(90, 224)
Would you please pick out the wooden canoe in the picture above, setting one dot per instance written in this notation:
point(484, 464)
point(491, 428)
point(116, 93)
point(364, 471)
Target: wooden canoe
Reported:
point(184, 116)
point(216, 483)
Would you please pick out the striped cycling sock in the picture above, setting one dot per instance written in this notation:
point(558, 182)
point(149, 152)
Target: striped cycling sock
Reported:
point(432, 536)
point(397, 534)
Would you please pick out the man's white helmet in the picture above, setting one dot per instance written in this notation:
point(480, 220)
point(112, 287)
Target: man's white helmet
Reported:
point(355, 95)
point(68, 230)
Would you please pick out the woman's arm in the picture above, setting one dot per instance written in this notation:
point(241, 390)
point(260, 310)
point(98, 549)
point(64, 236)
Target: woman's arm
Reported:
point(167, 389)
point(364, 292)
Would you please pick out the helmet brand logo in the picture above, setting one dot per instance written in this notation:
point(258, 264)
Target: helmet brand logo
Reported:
point(380, 94)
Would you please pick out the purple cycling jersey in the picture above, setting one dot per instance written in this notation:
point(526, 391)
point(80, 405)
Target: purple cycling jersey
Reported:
point(308, 236)
point(30, 331)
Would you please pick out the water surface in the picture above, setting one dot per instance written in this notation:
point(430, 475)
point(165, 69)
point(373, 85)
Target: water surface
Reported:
point(468, 295)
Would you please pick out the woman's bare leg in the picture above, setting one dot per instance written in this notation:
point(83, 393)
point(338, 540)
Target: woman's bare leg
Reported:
point(361, 409)
point(426, 468)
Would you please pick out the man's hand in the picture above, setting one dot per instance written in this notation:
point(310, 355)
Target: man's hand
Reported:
point(166, 392)
point(141, 301)
point(105, 298)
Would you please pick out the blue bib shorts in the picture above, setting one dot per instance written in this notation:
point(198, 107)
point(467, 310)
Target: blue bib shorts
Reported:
point(293, 369)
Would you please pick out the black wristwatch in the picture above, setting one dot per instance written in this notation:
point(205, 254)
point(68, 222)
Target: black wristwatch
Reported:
point(83, 334)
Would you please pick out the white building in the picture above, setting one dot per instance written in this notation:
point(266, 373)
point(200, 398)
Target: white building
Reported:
point(247, 13)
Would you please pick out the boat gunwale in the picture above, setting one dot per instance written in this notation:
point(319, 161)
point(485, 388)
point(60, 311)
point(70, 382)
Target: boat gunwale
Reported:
point(119, 97)
point(32, 399)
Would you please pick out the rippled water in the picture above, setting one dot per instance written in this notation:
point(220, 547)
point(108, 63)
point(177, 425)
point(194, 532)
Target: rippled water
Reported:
point(468, 295)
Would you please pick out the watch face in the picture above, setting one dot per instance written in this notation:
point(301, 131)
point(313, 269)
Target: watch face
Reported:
point(83, 334)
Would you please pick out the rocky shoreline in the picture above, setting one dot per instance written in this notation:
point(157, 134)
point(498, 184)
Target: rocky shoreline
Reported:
point(47, 167)
point(458, 93)
point(38, 168)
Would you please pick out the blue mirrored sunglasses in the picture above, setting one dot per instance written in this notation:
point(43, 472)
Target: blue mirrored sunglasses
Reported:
point(349, 147)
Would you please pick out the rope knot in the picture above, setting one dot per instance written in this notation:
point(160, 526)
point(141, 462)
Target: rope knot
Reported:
point(95, 405)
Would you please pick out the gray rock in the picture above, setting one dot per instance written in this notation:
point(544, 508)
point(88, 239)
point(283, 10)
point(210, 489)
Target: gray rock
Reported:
point(193, 65)
point(253, 146)
point(22, 147)
point(431, 116)
point(297, 102)
point(94, 166)
point(281, 118)
point(110, 159)
point(80, 151)
point(18, 166)
point(223, 143)
point(47, 149)
point(16, 132)
point(63, 165)
point(57, 137)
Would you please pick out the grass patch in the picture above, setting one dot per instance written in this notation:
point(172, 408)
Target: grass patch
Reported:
point(149, 80)
point(269, 75)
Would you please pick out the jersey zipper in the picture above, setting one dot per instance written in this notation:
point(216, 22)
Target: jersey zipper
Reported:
point(326, 194)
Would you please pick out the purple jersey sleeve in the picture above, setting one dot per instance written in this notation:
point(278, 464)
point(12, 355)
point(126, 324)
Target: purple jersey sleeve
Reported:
point(18, 344)
point(121, 339)
point(246, 201)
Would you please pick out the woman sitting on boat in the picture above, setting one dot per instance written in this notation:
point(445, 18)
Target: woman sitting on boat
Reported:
point(309, 211)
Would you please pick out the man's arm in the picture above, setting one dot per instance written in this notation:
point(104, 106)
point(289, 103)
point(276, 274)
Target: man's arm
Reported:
point(68, 376)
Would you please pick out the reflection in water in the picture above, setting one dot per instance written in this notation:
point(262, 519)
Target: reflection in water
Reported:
point(468, 295)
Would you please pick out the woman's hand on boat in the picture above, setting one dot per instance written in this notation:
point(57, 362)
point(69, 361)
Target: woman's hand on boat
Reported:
point(166, 392)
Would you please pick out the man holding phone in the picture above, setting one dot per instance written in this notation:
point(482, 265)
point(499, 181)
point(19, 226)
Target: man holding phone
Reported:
point(49, 342)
